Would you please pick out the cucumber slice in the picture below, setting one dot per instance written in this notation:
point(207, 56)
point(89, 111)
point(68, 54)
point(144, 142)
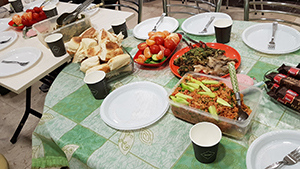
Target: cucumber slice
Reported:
point(154, 57)
point(210, 94)
point(223, 102)
point(213, 111)
point(210, 82)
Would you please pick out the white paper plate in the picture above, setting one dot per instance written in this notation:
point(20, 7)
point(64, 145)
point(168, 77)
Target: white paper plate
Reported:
point(4, 24)
point(134, 106)
point(38, 3)
point(257, 37)
point(196, 23)
point(23, 54)
point(272, 147)
point(6, 35)
point(141, 30)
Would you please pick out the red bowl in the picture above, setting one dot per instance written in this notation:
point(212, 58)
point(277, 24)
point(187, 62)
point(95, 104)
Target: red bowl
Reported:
point(158, 64)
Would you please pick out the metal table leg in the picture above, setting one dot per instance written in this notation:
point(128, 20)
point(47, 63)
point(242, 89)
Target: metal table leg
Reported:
point(28, 111)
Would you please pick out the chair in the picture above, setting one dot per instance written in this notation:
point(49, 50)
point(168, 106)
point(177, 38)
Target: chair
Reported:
point(269, 11)
point(131, 4)
point(188, 4)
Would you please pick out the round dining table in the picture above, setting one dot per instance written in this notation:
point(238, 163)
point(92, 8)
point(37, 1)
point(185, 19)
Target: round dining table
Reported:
point(72, 133)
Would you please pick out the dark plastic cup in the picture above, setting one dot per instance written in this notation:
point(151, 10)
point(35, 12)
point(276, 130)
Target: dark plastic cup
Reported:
point(205, 138)
point(96, 82)
point(56, 44)
point(119, 25)
point(16, 5)
point(223, 30)
point(50, 10)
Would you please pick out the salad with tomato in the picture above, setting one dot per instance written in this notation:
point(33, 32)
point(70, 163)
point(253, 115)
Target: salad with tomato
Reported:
point(30, 17)
point(157, 48)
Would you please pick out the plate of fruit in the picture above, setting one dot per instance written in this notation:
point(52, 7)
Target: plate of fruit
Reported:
point(28, 18)
point(157, 49)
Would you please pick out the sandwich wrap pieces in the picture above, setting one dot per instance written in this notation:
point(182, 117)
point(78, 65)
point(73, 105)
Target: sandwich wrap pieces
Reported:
point(98, 50)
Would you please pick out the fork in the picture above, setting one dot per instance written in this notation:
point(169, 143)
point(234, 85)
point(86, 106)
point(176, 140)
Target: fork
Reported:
point(290, 159)
point(20, 63)
point(4, 41)
point(272, 43)
point(159, 20)
point(207, 25)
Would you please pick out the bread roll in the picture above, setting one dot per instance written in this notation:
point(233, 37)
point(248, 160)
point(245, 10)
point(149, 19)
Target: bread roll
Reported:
point(107, 36)
point(119, 61)
point(89, 62)
point(109, 50)
point(104, 67)
point(90, 33)
point(81, 53)
point(73, 45)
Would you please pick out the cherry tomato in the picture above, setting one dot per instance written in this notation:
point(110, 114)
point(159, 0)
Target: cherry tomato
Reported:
point(154, 49)
point(167, 52)
point(36, 16)
point(169, 44)
point(37, 9)
point(159, 40)
point(25, 21)
point(29, 10)
point(150, 42)
point(142, 46)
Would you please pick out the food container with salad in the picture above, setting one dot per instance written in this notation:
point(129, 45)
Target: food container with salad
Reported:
point(157, 49)
point(199, 97)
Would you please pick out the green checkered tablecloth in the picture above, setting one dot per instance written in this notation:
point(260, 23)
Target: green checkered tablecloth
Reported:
point(72, 133)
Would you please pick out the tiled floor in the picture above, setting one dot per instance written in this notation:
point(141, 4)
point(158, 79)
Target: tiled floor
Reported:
point(12, 106)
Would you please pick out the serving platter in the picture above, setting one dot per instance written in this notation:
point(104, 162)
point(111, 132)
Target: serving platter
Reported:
point(23, 54)
point(196, 23)
point(6, 35)
point(229, 52)
point(257, 37)
point(4, 24)
point(141, 30)
point(158, 64)
point(134, 106)
point(272, 147)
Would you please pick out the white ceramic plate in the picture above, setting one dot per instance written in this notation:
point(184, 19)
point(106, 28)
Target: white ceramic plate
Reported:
point(38, 3)
point(134, 106)
point(196, 23)
point(23, 54)
point(4, 24)
point(6, 35)
point(257, 37)
point(141, 30)
point(272, 147)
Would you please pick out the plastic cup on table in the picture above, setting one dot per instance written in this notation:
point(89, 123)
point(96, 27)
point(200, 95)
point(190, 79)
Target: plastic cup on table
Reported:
point(56, 44)
point(50, 10)
point(205, 138)
point(223, 30)
point(97, 84)
point(17, 5)
point(119, 25)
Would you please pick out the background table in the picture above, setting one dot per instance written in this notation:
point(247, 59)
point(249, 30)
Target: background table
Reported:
point(71, 131)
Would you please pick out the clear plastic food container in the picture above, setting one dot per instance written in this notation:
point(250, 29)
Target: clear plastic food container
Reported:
point(49, 26)
point(229, 127)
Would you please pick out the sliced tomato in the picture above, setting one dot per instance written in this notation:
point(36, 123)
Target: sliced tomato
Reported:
point(162, 47)
point(11, 23)
point(142, 46)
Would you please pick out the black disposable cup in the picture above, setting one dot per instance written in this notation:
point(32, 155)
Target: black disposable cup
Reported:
point(118, 26)
point(56, 44)
point(223, 30)
point(205, 138)
point(16, 5)
point(50, 10)
point(96, 82)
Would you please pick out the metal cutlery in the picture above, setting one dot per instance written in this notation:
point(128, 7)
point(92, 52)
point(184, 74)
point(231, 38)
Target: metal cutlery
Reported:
point(200, 43)
point(235, 86)
point(159, 20)
point(271, 44)
point(290, 159)
point(93, 7)
point(207, 25)
point(45, 2)
point(71, 18)
point(17, 62)
point(4, 41)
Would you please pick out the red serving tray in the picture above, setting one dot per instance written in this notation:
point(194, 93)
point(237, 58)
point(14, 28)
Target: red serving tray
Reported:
point(158, 64)
point(229, 52)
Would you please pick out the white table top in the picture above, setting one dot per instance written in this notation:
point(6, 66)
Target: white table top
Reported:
point(47, 63)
